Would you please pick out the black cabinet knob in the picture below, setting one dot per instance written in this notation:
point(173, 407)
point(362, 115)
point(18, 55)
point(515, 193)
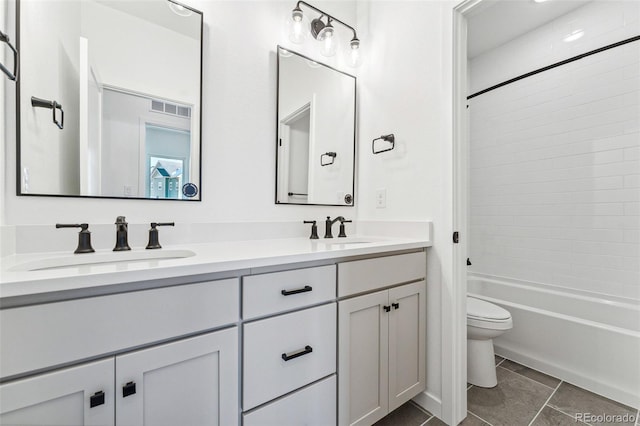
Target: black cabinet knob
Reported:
point(96, 399)
point(387, 308)
point(395, 305)
point(128, 389)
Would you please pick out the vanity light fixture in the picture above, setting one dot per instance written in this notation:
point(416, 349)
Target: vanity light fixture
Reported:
point(322, 29)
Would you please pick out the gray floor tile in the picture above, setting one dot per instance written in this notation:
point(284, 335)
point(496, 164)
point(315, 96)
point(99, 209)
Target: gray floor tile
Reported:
point(407, 414)
point(434, 421)
point(550, 417)
point(498, 359)
point(514, 401)
point(539, 377)
point(573, 400)
point(470, 420)
point(420, 408)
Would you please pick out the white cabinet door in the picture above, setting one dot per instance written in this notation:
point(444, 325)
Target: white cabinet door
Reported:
point(407, 323)
point(188, 382)
point(64, 397)
point(363, 359)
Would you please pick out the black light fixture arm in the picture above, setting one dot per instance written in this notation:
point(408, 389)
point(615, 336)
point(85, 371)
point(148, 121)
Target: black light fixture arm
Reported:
point(331, 18)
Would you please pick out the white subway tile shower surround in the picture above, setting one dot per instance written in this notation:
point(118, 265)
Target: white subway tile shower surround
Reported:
point(555, 167)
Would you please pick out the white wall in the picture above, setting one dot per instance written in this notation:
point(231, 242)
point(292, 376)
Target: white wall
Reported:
point(50, 155)
point(555, 158)
point(405, 89)
point(239, 124)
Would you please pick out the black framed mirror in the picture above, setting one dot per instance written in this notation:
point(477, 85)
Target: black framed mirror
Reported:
point(109, 99)
point(316, 127)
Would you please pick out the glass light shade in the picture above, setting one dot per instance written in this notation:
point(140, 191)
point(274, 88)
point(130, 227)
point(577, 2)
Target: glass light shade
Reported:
point(328, 42)
point(298, 26)
point(354, 54)
point(179, 9)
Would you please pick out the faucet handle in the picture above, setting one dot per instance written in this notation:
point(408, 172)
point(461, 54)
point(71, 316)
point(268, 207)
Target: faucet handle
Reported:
point(84, 236)
point(154, 240)
point(314, 229)
point(342, 233)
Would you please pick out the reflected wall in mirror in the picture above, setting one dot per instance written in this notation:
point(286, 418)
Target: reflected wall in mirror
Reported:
point(315, 146)
point(127, 77)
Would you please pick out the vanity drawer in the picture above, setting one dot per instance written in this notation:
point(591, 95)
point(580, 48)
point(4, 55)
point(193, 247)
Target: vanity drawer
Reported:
point(312, 406)
point(361, 276)
point(283, 291)
point(42, 336)
point(306, 338)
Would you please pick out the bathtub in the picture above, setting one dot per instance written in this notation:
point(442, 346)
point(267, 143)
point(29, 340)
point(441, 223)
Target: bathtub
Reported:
point(590, 340)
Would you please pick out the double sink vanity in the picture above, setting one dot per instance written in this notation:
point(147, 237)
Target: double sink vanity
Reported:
point(286, 331)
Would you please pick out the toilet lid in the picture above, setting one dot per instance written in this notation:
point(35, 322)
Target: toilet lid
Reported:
point(477, 308)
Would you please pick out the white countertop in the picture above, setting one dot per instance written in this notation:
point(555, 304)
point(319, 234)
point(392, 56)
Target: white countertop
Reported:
point(208, 258)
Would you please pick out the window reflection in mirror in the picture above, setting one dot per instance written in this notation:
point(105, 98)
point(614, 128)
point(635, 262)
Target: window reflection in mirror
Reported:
point(128, 77)
point(316, 116)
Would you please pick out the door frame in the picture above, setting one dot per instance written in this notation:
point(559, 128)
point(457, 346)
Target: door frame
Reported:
point(460, 205)
point(284, 154)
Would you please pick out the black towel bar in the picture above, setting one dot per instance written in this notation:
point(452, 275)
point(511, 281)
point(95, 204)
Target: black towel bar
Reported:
point(13, 76)
point(387, 138)
point(53, 105)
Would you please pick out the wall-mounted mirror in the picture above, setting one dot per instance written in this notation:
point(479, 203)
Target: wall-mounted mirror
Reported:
point(109, 99)
point(315, 143)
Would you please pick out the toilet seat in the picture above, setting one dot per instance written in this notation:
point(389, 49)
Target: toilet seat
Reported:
point(483, 314)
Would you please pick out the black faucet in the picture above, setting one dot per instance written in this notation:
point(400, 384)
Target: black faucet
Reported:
point(84, 236)
point(314, 229)
point(342, 234)
point(154, 241)
point(329, 223)
point(122, 235)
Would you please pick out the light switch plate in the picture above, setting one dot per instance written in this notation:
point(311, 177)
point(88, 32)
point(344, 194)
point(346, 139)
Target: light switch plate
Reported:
point(381, 198)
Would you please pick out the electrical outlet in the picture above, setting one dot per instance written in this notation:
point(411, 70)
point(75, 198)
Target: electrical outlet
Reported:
point(127, 190)
point(381, 198)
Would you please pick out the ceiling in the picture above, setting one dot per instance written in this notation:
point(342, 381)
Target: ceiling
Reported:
point(158, 12)
point(495, 22)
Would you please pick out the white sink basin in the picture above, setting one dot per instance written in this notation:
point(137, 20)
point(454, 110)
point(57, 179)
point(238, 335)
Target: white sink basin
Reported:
point(104, 258)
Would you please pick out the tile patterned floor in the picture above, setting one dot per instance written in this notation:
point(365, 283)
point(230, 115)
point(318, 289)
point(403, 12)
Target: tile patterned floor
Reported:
point(523, 397)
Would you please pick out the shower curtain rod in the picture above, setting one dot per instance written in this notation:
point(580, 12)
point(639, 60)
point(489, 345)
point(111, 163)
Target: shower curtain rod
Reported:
point(557, 64)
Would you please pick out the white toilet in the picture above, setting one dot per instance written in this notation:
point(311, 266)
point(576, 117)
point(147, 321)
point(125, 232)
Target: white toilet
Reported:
point(485, 321)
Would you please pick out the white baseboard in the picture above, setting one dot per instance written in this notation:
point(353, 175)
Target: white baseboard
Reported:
point(429, 402)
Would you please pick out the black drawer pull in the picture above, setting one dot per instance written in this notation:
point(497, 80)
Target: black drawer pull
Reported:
point(304, 289)
point(395, 305)
point(307, 350)
point(128, 389)
point(386, 308)
point(96, 399)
